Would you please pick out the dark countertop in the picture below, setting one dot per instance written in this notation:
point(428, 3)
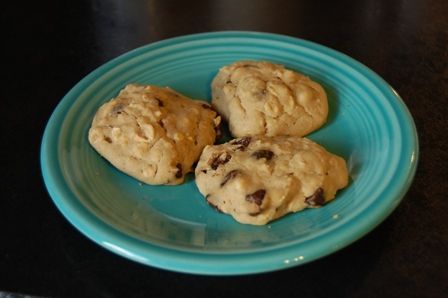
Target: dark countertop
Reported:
point(49, 46)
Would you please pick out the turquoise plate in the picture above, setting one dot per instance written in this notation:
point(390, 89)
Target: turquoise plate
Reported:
point(172, 227)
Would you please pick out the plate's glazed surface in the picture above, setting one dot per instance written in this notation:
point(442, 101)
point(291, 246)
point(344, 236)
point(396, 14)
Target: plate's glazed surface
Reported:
point(172, 227)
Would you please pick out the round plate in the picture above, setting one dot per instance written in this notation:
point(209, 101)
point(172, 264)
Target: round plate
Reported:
point(172, 227)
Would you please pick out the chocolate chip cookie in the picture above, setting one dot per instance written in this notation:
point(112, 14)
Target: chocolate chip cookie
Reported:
point(262, 98)
point(258, 179)
point(153, 134)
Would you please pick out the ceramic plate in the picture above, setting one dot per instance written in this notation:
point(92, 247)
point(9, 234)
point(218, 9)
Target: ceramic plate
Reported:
point(172, 227)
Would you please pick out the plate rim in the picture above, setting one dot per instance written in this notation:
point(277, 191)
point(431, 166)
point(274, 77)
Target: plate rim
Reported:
point(175, 260)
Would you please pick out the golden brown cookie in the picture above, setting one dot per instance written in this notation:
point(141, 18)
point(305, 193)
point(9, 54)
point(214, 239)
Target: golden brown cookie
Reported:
point(262, 98)
point(258, 179)
point(153, 134)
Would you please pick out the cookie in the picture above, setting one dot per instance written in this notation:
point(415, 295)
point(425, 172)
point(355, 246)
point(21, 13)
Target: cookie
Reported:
point(153, 134)
point(258, 179)
point(262, 98)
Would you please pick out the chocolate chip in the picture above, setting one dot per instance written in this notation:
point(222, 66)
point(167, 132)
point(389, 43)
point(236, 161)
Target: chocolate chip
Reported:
point(204, 171)
point(317, 198)
point(218, 132)
point(206, 106)
point(263, 154)
point(179, 170)
point(249, 66)
point(107, 139)
point(230, 175)
point(117, 109)
point(256, 197)
point(243, 142)
point(159, 102)
point(221, 159)
point(228, 82)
